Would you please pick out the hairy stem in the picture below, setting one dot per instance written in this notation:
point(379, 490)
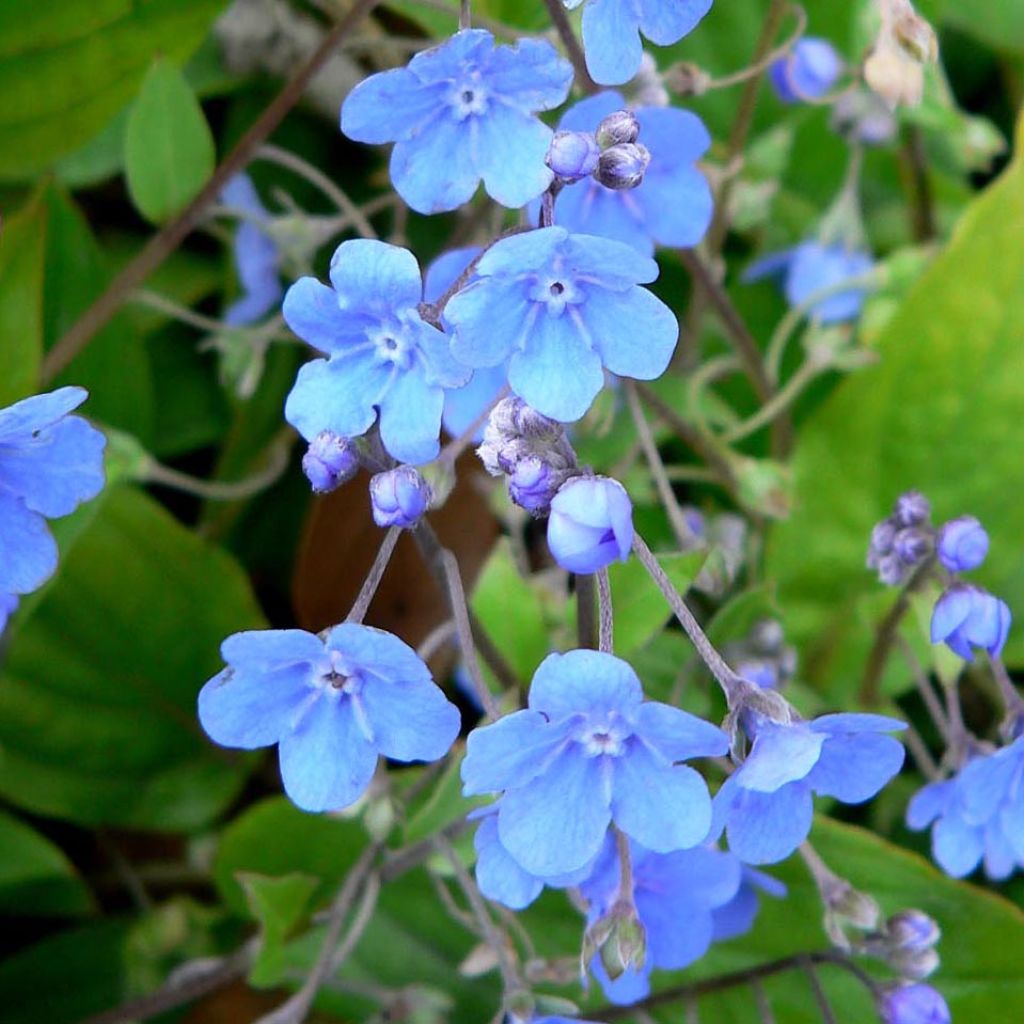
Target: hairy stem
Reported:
point(606, 622)
point(572, 46)
point(374, 576)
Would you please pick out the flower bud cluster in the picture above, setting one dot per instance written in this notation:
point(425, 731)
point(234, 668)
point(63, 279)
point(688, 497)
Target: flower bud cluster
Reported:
point(611, 154)
point(905, 44)
point(901, 542)
point(907, 942)
point(531, 450)
point(330, 461)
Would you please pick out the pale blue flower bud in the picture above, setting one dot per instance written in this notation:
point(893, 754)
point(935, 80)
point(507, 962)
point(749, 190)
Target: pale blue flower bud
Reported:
point(914, 1004)
point(617, 128)
point(591, 524)
point(572, 156)
point(330, 461)
point(623, 166)
point(962, 544)
point(399, 497)
point(534, 483)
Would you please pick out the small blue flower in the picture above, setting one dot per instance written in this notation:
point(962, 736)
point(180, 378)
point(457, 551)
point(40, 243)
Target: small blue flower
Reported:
point(591, 524)
point(978, 815)
point(50, 462)
point(966, 616)
point(8, 606)
point(256, 255)
point(611, 32)
point(962, 544)
point(331, 706)
point(676, 896)
point(766, 805)
point(807, 72)
point(460, 112)
point(381, 355)
point(914, 1004)
point(671, 207)
point(564, 307)
point(573, 155)
point(329, 462)
point(812, 267)
point(588, 751)
point(463, 405)
point(399, 497)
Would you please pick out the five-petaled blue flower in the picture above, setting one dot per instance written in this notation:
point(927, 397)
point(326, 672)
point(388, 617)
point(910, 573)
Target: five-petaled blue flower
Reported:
point(588, 751)
point(563, 306)
point(50, 462)
point(766, 805)
point(381, 355)
point(461, 112)
point(332, 706)
point(813, 267)
point(807, 72)
point(678, 898)
point(611, 32)
point(978, 814)
point(256, 255)
point(966, 616)
point(673, 204)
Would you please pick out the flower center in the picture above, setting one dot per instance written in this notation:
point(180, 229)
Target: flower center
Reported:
point(467, 99)
point(391, 347)
point(555, 293)
point(606, 737)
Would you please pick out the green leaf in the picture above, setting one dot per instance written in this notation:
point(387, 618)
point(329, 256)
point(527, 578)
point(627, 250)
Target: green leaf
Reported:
point(936, 413)
point(169, 153)
point(21, 300)
point(35, 876)
point(996, 22)
point(97, 701)
point(444, 804)
point(275, 838)
point(279, 904)
point(66, 69)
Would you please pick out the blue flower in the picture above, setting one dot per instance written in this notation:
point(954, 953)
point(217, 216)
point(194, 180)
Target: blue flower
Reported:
point(737, 917)
point(766, 805)
point(332, 706)
point(591, 524)
point(8, 606)
point(586, 752)
point(381, 355)
point(466, 404)
point(611, 32)
point(563, 307)
point(966, 616)
point(399, 497)
point(812, 267)
point(978, 815)
point(962, 544)
point(914, 1004)
point(460, 112)
point(671, 207)
point(676, 896)
point(807, 72)
point(50, 462)
point(256, 255)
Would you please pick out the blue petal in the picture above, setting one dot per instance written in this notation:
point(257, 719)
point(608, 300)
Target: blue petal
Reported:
point(678, 926)
point(446, 270)
point(606, 263)
point(271, 649)
point(586, 115)
point(528, 250)
point(311, 310)
point(851, 722)
point(450, 60)
point(390, 106)
point(28, 552)
point(509, 148)
point(557, 823)
point(557, 372)
point(929, 803)
point(465, 405)
point(662, 808)
point(674, 137)
point(491, 319)
point(628, 988)
point(677, 207)
point(764, 828)
point(611, 41)
point(781, 754)
point(532, 76)
point(249, 708)
point(1000, 857)
point(815, 267)
point(736, 917)
point(410, 418)
point(56, 471)
point(411, 721)
point(584, 681)
point(774, 265)
point(240, 193)
point(377, 652)
point(957, 846)
point(510, 752)
point(435, 348)
point(1011, 821)
point(326, 761)
point(677, 735)
point(634, 331)
point(666, 21)
point(499, 877)
point(591, 208)
point(21, 420)
point(256, 259)
point(253, 306)
point(436, 171)
point(375, 277)
point(854, 768)
point(951, 611)
point(986, 781)
point(337, 395)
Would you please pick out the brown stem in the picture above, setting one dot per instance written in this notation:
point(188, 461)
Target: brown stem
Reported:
point(914, 172)
point(572, 46)
point(168, 238)
point(374, 576)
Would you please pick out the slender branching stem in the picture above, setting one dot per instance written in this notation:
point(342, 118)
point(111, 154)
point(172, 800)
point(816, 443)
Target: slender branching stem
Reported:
point(374, 576)
point(572, 46)
point(605, 618)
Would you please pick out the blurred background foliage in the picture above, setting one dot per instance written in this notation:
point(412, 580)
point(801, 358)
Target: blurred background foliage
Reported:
point(128, 843)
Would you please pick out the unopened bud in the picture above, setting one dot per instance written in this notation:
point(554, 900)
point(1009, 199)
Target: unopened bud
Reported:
point(330, 461)
point(913, 1004)
point(916, 36)
point(533, 483)
point(399, 497)
point(686, 79)
point(572, 156)
point(912, 509)
point(623, 941)
point(617, 128)
point(912, 544)
point(623, 166)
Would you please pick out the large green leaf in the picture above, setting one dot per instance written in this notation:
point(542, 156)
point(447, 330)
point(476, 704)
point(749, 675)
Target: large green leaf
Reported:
point(67, 68)
point(939, 413)
point(999, 23)
point(169, 150)
point(97, 702)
